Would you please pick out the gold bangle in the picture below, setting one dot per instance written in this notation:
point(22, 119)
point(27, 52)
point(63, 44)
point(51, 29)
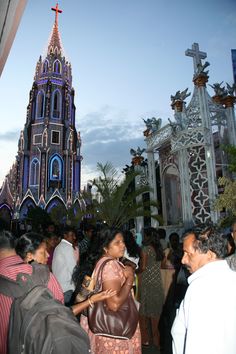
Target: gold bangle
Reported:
point(91, 303)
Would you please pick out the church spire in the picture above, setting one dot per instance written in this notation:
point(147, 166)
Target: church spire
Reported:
point(55, 45)
point(57, 11)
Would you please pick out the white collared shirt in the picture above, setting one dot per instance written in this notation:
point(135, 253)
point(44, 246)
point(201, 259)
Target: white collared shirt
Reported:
point(206, 320)
point(63, 263)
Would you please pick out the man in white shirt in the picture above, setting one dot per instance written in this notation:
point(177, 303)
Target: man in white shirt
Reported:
point(206, 320)
point(64, 260)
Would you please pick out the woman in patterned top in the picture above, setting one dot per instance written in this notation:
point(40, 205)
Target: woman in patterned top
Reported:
point(119, 278)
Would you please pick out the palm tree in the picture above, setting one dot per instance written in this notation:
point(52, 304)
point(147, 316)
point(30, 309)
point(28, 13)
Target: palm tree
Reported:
point(116, 203)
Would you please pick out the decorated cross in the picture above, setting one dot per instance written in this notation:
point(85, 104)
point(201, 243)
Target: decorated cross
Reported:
point(196, 54)
point(58, 11)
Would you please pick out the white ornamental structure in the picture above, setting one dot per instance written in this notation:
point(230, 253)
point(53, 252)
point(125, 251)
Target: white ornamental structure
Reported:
point(189, 148)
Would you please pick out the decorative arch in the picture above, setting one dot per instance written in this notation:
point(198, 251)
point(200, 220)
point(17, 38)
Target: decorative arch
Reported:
point(5, 213)
point(172, 195)
point(57, 66)
point(80, 203)
point(55, 203)
point(40, 104)
point(77, 207)
point(55, 168)
point(34, 172)
point(45, 66)
point(56, 104)
point(25, 206)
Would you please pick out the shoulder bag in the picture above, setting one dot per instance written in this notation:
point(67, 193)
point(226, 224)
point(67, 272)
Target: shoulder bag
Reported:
point(120, 324)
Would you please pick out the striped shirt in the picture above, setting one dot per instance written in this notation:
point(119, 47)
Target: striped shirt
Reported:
point(9, 267)
point(83, 245)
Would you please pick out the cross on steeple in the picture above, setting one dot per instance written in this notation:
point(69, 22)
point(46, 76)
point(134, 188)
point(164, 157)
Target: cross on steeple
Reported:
point(196, 55)
point(58, 11)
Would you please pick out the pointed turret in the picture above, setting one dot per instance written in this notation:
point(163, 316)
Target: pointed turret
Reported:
point(55, 44)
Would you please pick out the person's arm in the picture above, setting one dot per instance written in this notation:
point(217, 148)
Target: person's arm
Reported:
point(78, 308)
point(167, 254)
point(55, 288)
point(122, 292)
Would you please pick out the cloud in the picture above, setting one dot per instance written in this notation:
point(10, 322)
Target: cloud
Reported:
point(108, 135)
point(10, 136)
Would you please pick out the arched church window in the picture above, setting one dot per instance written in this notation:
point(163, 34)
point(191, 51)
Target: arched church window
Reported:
point(34, 172)
point(40, 104)
point(56, 168)
point(45, 66)
point(57, 66)
point(56, 104)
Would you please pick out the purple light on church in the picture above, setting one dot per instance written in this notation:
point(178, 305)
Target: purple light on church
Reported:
point(42, 82)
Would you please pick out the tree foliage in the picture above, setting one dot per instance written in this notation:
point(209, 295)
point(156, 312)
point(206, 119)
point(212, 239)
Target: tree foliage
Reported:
point(231, 154)
point(38, 218)
point(226, 200)
point(116, 203)
point(62, 216)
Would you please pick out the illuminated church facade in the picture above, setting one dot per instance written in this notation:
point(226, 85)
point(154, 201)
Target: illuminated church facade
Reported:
point(47, 170)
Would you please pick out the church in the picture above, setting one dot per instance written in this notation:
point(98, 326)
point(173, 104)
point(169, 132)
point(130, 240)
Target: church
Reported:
point(47, 170)
point(188, 150)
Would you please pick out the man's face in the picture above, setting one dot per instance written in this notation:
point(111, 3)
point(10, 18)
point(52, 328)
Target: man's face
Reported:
point(193, 259)
point(51, 229)
point(89, 233)
point(70, 237)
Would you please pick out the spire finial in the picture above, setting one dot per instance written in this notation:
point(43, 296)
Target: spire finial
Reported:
point(58, 11)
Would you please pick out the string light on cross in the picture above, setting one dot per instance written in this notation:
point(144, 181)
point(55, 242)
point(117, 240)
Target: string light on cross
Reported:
point(58, 11)
point(196, 54)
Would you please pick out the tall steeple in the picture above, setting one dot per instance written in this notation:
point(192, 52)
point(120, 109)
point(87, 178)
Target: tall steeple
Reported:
point(55, 43)
point(49, 150)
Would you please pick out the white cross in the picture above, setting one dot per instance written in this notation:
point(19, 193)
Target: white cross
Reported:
point(196, 55)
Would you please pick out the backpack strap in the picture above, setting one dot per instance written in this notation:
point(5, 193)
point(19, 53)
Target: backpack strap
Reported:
point(24, 282)
point(40, 274)
point(9, 287)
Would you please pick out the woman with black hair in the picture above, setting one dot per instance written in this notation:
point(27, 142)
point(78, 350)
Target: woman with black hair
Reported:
point(151, 294)
point(132, 255)
point(133, 250)
point(119, 278)
point(32, 247)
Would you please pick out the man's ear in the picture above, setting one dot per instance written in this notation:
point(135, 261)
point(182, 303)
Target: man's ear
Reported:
point(211, 255)
point(29, 257)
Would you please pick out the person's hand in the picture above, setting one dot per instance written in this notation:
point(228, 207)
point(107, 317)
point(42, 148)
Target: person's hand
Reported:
point(102, 295)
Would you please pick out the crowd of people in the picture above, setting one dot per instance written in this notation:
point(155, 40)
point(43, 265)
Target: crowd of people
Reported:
point(182, 288)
